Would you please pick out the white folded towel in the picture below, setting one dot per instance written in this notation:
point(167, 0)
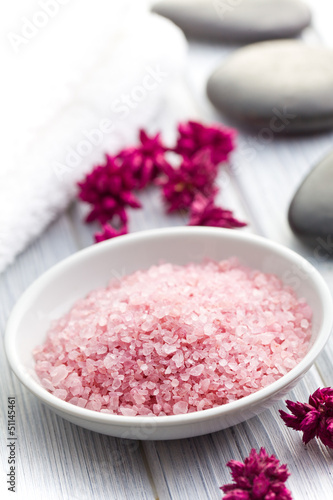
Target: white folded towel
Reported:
point(82, 85)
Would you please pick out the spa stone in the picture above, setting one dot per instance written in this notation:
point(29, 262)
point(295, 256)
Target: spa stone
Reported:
point(237, 20)
point(311, 210)
point(282, 86)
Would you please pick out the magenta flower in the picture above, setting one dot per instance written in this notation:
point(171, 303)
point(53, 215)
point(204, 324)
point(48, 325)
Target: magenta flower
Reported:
point(191, 186)
point(194, 136)
point(195, 175)
point(204, 212)
point(110, 232)
point(314, 419)
point(260, 477)
point(108, 188)
point(145, 161)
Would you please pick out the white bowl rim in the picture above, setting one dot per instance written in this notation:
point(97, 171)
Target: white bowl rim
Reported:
point(169, 420)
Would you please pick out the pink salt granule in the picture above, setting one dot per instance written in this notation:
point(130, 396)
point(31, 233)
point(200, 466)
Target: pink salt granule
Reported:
point(175, 339)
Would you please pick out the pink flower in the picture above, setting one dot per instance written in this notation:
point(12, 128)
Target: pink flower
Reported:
point(314, 419)
point(195, 175)
point(204, 212)
point(194, 136)
point(109, 232)
point(260, 477)
point(108, 188)
point(145, 161)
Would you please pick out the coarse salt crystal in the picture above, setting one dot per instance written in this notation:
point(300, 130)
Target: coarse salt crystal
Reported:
point(178, 358)
point(128, 412)
point(58, 374)
point(180, 407)
point(197, 370)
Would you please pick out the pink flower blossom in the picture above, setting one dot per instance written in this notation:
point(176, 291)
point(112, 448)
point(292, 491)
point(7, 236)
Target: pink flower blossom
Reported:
point(204, 212)
point(110, 232)
point(260, 477)
point(145, 161)
point(314, 419)
point(194, 136)
point(195, 175)
point(108, 188)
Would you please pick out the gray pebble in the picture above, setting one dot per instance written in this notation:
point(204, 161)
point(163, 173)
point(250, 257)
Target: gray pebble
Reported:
point(311, 210)
point(237, 20)
point(286, 86)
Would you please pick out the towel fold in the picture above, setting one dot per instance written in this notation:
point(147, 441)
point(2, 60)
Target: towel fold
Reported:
point(115, 73)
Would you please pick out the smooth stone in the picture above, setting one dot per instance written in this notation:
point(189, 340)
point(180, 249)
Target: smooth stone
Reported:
point(311, 210)
point(278, 87)
point(237, 20)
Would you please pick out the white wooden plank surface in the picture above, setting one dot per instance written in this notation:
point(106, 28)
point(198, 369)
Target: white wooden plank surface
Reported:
point(58, 460)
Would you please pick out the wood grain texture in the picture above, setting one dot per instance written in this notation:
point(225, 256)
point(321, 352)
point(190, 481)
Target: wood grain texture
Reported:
point(58, 460)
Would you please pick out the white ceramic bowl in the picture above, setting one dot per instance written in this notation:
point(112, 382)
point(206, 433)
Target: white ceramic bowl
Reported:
point(54, 292)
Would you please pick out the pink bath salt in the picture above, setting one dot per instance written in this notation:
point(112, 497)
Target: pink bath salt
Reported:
point(58, 374)
point(180, 407)
point(175, 339)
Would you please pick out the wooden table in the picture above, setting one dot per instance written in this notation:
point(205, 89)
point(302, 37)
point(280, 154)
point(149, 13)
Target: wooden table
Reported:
point(58, 460)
